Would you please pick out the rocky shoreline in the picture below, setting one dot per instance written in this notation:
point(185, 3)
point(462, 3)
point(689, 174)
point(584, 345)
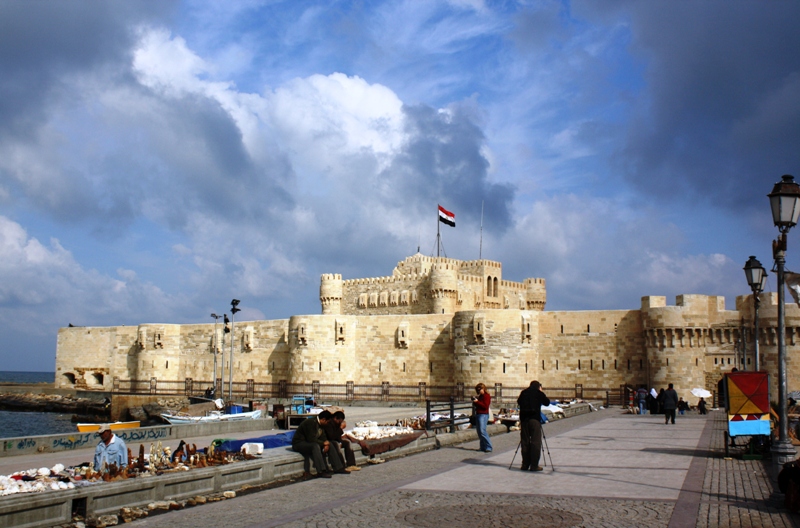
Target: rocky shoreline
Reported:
point(55, 403)
point(86, 410)
point(150, 413)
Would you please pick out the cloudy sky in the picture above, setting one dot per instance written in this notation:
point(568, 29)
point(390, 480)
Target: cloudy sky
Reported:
point(158, 159)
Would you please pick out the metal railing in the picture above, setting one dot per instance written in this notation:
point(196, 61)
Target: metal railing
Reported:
point(456, 414)
point(386, 392)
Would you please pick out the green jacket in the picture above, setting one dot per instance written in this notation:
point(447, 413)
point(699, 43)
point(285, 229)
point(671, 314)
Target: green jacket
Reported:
point(309, 430)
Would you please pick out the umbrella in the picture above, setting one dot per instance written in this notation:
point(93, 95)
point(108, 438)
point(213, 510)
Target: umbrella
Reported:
point(701, 393)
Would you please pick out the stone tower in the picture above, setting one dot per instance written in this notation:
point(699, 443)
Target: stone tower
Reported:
point(535, 294)
point(330, 293)
point(680, 339)
point(444, 287)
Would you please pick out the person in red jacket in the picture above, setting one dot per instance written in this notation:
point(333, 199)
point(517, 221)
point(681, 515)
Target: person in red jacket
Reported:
point(482, 402)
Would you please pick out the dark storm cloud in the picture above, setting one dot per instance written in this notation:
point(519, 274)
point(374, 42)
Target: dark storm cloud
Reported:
point(719, 119)
point(41, 42)
point(442, 161)
point(198, 141)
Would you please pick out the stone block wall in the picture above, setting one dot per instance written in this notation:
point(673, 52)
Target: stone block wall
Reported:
point(84, 358)
point(370, 349)
point(495, 346)
point(601, 348)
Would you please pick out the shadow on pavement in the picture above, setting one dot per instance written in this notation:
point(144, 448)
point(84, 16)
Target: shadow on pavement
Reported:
point(690, 452)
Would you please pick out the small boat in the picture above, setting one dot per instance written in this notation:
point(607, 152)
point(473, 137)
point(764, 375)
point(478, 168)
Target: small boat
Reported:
point(213, 416)
point(92, 427)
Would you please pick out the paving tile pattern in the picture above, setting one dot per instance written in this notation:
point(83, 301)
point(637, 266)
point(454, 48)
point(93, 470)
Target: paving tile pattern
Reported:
point(740, 493)
point(434, 510)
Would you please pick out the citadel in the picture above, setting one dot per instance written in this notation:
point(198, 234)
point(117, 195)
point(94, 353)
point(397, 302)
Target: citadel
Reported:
point(442, 321)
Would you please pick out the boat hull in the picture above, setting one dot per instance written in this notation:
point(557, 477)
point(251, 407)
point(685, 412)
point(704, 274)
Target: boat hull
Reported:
point(183, 420)
point(116, 426)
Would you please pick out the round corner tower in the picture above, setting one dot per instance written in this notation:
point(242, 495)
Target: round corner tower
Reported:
point(444, 287)
point(331, 293)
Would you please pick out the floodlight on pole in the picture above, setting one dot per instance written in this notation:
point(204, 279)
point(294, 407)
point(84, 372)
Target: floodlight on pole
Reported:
point(225, 330)
point(234, 309)
point(216, 349)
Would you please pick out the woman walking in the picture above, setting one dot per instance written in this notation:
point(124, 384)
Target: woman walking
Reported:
point(482, 403)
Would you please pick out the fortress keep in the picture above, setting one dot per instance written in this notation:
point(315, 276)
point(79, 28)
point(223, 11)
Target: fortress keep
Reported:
point(444, 321)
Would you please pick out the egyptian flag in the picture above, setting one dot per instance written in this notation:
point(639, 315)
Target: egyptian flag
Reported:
point(446, 217)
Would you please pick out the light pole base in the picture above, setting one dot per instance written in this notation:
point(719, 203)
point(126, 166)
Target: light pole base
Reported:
point(782, 452)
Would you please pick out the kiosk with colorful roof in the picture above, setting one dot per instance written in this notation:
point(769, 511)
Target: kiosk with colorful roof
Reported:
point(747, 405)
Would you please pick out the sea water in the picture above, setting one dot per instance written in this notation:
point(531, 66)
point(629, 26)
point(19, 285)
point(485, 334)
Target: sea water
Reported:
point(15, 424)
point(26, 377)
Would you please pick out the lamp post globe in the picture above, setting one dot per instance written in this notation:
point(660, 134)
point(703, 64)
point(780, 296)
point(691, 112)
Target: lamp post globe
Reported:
point(785, 203)
point(755, 274)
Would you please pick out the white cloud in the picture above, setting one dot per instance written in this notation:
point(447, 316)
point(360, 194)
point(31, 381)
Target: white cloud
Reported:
point(599, 253)
point(47, 280)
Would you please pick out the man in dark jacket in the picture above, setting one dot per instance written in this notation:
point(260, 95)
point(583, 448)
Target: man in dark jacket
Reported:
point(334, 431)
point(310, 441)
point(530, 403)
point(670, 403)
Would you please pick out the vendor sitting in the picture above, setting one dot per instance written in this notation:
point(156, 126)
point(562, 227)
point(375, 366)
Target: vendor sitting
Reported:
point(110, 450)
point(334, 431)
point(310, 441)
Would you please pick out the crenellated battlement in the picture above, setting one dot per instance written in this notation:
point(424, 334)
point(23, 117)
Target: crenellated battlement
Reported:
point(531, 281)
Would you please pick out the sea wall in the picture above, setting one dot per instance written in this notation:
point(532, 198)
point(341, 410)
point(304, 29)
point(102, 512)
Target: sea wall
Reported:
point(71, 441)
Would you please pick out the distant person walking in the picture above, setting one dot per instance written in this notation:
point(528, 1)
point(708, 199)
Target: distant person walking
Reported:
point(530, 403)
point(660, 402)
point(641, 399)
point(670, 403)
point(482, 403)
point(682, 406)
point(701, 406)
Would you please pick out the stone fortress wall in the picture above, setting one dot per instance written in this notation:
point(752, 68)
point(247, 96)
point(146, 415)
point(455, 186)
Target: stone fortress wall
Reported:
point(443, 321)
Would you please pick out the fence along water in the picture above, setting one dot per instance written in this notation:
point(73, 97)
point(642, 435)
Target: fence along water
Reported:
point(385, 392)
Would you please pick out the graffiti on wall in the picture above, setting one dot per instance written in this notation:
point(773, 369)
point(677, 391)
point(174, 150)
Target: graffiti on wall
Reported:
point(81, 440)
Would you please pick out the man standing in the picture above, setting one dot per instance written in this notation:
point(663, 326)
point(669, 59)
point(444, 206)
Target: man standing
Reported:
point(670, 403)
point(530, 403)
point(110, 450)
point(334, 430)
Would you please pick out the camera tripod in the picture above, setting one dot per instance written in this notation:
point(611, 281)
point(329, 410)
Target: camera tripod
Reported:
point(544, 446)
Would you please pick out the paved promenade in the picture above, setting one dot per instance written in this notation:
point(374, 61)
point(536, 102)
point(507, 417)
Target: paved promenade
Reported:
point(608, 470)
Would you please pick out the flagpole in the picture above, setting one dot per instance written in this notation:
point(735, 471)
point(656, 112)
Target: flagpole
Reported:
point(480, 247)
point(438, 236)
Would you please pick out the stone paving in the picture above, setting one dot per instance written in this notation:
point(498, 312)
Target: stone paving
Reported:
point(739, 492)
point(611, 470)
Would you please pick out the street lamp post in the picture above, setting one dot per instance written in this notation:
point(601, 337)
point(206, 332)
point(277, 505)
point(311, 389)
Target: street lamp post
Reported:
point(234, 309)
point(216, 348)
point(785, 203)
point(757, 279)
